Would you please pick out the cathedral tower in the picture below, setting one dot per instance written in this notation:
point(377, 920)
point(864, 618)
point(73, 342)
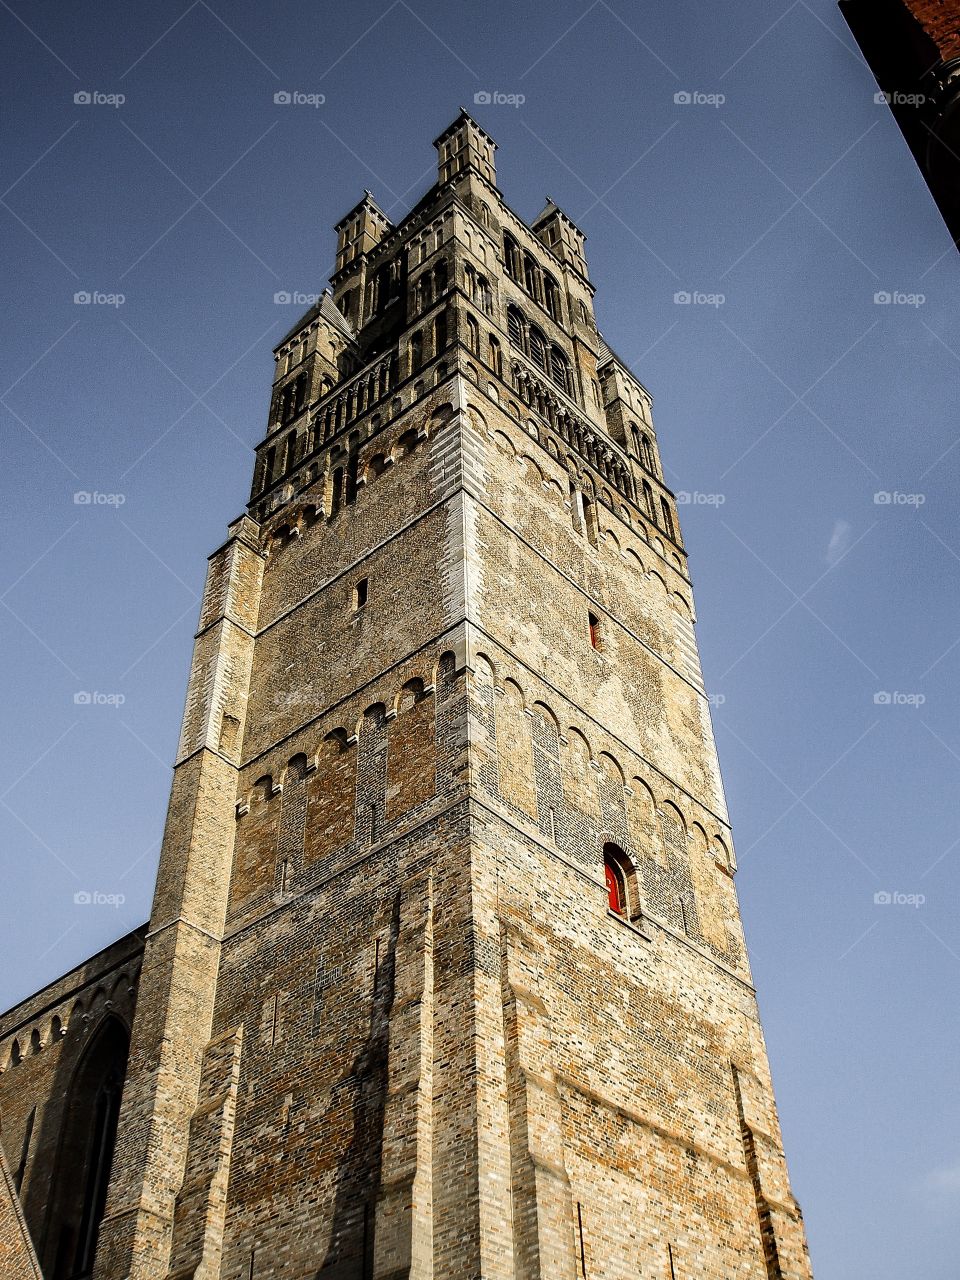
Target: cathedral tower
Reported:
point(444, 975)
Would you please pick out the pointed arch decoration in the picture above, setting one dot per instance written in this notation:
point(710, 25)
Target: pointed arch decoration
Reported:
point(85, 1152)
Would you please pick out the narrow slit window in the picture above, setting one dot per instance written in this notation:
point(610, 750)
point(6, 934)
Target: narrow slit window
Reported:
point(361, 594)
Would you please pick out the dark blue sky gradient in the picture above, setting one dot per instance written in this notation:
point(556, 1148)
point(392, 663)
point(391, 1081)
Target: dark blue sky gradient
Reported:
point(796, 401)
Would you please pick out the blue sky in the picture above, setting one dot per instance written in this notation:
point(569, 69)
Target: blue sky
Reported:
point(786, 398)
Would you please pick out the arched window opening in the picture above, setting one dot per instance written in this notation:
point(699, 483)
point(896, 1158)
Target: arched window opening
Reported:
point(620, 877)
point(515, 326)
point(511, 253)
point(336, 494)
point(551, 292)
point(559, 369)
point(616, 887)
point(589, 519)
point(269, 466)
point(484, 297)
point(667, 517)
point(289, 451)
point(473, 335)
point(440, 333)
point(416, 351)
point(538, 349)
point(531, 277)
point(647, 500)
point(79, 1189)
point(496, 357)
point(646, 455)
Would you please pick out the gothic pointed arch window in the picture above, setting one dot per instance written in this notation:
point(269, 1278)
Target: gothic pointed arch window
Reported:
point(85, 1153)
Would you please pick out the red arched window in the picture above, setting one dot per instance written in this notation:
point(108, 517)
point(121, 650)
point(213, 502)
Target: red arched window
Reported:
point(616, 886)
point(620, 877)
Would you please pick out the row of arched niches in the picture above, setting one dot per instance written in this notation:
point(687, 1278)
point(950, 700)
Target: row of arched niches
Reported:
point(370, 779)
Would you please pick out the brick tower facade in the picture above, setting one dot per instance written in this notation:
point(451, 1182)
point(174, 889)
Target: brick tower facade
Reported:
point(444, 975)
